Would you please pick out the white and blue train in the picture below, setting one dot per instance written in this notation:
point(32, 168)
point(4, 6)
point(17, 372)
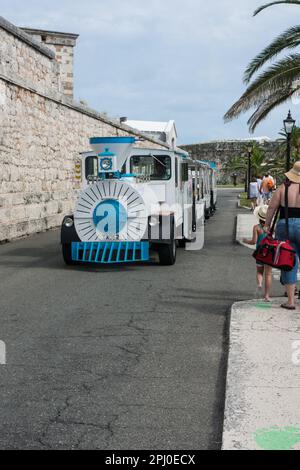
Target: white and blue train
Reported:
point(134, 200)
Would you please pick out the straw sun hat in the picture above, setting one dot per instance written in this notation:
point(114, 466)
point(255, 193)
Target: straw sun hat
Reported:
point(294, 174)
point(261, 212)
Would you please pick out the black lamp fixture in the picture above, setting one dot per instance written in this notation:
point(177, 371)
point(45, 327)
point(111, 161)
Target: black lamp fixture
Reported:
point(289, 124)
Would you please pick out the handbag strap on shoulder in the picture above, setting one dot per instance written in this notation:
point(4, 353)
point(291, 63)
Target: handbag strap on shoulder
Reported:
point(286, 208)
point(286, 211)
point(272, 229)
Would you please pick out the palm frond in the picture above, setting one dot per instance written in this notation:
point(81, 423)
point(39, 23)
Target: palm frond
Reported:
point(288, 40)
point(283, 74)
point(267, 106)
point(280, 2)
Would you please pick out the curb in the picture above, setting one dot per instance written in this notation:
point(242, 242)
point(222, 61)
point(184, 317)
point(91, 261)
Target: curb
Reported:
point(243, 207)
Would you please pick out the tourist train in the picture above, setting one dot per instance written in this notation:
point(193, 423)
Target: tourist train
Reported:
point(137, 200)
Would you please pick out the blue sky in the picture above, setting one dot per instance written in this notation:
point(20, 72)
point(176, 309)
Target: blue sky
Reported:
point(164, 59)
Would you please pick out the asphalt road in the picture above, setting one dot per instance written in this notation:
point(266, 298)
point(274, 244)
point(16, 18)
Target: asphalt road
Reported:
point(118, 358)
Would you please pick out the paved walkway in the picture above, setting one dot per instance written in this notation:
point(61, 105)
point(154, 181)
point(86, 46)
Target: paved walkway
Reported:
point(263, 379)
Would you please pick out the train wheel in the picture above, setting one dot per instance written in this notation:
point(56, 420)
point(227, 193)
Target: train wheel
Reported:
point(167, 253)
point(67, 254)
point(181, 243)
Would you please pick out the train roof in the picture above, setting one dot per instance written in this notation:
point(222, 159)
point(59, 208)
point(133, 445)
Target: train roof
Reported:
point(211, 165)
point(177, 151)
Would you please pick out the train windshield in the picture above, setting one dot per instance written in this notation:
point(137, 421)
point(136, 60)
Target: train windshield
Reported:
point(157, 167)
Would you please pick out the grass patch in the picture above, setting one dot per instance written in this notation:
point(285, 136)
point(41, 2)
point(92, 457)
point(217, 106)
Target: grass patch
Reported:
point(244, 200)
point(230, 186)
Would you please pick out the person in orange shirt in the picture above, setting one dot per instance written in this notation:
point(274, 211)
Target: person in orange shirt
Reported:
point(266, 188)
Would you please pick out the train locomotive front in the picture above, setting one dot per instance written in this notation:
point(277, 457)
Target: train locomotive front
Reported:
point(112, 221)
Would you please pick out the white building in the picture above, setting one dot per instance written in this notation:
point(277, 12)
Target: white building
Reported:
point(164, 131)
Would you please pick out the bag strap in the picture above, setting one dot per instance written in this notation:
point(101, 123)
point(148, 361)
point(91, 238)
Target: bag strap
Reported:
point(286, 212)
point(272, 229)
point(286, 209)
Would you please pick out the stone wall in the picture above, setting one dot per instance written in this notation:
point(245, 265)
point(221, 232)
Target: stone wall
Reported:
point(220, 151)
point(41, 135)
point(62, 44)
point(36, 67)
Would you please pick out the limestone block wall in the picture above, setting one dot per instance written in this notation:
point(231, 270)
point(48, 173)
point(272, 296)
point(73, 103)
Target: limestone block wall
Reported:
point(220, 151)
point(35, 65)
point(62, 44)
point(41, 135)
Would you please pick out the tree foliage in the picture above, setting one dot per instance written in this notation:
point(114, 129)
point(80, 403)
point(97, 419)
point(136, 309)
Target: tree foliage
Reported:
point(261, 163)
point(275, 84)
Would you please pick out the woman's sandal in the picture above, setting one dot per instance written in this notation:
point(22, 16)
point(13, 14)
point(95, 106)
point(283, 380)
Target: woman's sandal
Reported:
point(288, 307)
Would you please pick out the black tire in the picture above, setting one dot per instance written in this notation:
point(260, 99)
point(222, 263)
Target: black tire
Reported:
point(167, 253)
point(182, 243)
point(67, 254)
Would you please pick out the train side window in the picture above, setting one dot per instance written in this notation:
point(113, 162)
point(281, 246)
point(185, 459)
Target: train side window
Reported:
point(91, 167)
point(184, 172)
point(176, 172)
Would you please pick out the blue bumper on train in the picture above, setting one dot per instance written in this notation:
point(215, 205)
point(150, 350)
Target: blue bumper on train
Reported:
point(110, 252)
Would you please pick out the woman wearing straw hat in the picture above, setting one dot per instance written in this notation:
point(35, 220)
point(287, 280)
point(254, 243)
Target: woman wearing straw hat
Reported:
point(261, 270)
point(289, 279)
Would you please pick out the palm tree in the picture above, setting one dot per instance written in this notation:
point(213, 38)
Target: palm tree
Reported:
point(277, 163)
point(277, 83)
point(239, 163)
point(267, 5)
point(295, 142)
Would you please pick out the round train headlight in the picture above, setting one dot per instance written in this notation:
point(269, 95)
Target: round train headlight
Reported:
point(68, 222)
point(106, 164)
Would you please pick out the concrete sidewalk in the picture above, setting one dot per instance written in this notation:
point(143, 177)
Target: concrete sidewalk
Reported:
point(263, 380)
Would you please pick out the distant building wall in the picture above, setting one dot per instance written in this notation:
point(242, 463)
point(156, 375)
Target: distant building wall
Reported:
point(41, 134)
point(220, 151)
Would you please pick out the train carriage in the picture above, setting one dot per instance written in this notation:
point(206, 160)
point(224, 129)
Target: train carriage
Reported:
point(133, 200)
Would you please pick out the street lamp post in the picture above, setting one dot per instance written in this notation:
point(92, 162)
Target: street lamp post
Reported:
point(289, 124)
point(249, 168)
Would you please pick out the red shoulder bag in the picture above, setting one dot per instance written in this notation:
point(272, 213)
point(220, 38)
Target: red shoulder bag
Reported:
point(277, 253)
